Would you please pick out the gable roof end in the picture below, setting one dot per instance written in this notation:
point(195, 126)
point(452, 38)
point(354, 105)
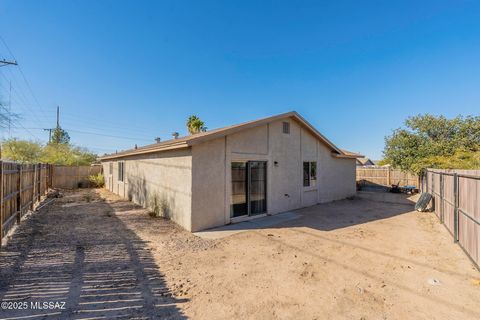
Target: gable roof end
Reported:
point(187, 141)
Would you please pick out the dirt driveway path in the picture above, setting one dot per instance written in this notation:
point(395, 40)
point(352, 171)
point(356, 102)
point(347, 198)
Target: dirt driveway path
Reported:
point(77, 255)
point(353, 259)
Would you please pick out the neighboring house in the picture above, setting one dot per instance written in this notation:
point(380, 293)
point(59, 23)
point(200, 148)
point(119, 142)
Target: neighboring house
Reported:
point(364, 162)
point(234, 173)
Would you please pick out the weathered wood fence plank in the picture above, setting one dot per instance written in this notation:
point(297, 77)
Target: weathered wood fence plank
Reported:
point(20, 189)
point(456, 195)
point(23, 185)
point(66, 177)
point(386, 177)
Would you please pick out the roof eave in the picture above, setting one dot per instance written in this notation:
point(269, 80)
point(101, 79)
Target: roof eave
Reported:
point(346, 156)
point(197, 140)
point(172, 146)
point(291, 114)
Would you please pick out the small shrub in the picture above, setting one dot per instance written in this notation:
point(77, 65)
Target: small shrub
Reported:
point(159, 206)
point(97, 181)
point(88, 197)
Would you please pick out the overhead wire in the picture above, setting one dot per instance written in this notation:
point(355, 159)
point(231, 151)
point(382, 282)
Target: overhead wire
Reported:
point(22, 73)
point(96, 133)
point(20, 98)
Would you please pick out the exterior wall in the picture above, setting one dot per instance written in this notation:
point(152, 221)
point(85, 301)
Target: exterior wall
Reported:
point(285, 178)
point(208, 184)
point(195, 182)
point(336, 176)
point(284, 153)
point(165, 176)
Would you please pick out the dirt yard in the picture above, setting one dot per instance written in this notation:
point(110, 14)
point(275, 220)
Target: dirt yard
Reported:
point(352, 259)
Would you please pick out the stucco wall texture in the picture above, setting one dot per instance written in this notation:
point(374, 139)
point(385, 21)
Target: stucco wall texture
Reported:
point(196, 181)
point(164, 176)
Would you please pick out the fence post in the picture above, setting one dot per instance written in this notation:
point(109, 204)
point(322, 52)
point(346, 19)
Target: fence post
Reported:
point(441, 198)
point(39, 180)
point(19, 195)
point(1, 202)
point(426, 180)
point(34, 184)
point(455, 211)
point(389, 182)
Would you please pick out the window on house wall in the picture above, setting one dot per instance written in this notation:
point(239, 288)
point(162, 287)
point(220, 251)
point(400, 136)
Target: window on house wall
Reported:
point(121, 170)
point(286, 127)
point(309, 174)
point(110, 168)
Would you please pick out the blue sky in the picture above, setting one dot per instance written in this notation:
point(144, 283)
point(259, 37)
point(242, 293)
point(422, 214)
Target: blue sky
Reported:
point(124, 72)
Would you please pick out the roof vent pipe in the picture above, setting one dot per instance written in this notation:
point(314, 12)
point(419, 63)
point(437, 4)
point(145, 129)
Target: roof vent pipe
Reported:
point(175, 135)
point(158, 139)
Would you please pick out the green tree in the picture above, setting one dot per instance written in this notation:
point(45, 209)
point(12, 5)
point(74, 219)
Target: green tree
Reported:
point(21, 150)
point(66, 154)
point(34, 152)
point(195, 125)
point(427, 141)
point(60, 136)
point(459, 160)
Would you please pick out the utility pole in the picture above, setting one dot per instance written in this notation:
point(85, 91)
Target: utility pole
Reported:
point(51, 129)
point(7, 62)
point(10, 111)
point(49, 134)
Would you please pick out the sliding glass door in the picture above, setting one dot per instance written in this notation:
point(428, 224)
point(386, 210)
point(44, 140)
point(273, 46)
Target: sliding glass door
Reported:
point(239, 206)
point(257, 187)
point(249, 188)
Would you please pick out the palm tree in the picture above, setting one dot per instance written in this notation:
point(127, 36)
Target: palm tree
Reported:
point(195, 125)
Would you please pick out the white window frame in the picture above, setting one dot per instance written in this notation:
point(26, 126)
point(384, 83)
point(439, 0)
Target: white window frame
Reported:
point(121, 171)
point(312, 174)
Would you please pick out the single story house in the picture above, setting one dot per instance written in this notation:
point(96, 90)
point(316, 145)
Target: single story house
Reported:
point(234, 173)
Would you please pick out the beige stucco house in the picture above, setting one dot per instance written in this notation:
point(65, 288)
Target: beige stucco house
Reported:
point(234, 173)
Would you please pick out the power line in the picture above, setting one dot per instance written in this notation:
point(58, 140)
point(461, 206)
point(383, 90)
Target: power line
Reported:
point(106, 135)
point(23, 74)
point(103, 123)
point(21, 95)
point(98, 134)
point(18, 123)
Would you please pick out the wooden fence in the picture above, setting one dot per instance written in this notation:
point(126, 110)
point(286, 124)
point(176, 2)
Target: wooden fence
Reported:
point(66, 177)
point(456, 199)
point(21, 186)
point(385, 177)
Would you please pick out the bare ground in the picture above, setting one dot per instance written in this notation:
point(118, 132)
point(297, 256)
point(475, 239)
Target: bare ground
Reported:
point(352, 259)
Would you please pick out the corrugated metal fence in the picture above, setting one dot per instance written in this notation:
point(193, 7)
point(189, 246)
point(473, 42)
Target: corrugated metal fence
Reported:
point(456, 195)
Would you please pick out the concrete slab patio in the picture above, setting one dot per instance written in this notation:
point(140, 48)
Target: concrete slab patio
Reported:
point(256, 223)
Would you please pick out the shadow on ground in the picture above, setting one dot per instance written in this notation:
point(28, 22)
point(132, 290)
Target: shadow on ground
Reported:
point(83, 256)
point(324, 217)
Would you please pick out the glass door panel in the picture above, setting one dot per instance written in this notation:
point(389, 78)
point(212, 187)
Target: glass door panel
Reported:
point(257, 187)
point(239, 205)
point(249, 188)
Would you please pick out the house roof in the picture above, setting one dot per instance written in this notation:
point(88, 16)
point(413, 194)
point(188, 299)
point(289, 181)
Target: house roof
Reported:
point(191, 140)
point(364, 160)
point(353, 154)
